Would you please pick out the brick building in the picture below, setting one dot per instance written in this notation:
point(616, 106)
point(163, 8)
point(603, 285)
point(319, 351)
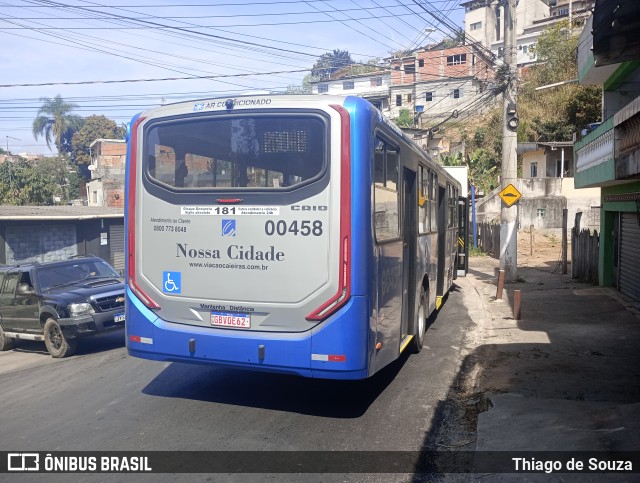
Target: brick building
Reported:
point(108, 161)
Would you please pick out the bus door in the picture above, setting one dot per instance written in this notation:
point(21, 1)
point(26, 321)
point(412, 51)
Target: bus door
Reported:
point(462, 264)
point(410, 204)
point(388, 206)
point(443, 254)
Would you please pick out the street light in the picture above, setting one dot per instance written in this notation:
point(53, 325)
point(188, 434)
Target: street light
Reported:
point(11, 137)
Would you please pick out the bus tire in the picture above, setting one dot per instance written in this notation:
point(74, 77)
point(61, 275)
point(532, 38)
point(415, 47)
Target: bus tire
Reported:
point(6, 343)
point(57, 344)
point(419, 324)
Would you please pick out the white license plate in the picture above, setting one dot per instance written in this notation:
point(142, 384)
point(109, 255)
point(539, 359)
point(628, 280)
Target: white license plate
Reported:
point(118, 318)
point(232, 320)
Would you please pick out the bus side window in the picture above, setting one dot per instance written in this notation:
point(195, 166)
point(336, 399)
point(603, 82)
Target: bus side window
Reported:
point(386, 195)
point(424, 201)
point(433, 185)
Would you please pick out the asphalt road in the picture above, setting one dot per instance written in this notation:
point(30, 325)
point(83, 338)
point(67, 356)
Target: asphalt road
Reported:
point(103, 400)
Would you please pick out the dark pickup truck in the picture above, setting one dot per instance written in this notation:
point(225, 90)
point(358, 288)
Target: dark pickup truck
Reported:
point(59, 302)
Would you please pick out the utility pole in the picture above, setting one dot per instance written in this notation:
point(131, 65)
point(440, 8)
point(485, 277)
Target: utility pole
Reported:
point(11, 137)
point(508, 214)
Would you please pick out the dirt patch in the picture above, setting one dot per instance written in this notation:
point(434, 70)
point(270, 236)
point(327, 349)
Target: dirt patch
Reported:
point(541, 250)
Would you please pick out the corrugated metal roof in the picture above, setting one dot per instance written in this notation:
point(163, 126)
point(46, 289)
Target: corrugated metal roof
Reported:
point(9, 212)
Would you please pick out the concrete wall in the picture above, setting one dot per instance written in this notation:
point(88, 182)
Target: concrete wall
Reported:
point(51, 240)
point(537, 157)
point(40, 242)
point(542, 202)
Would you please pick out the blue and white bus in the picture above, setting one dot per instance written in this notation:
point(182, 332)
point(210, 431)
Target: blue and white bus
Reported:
point(293, 234)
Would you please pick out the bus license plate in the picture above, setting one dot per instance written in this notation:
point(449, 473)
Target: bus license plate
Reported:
point(232, 320)
point(118, 318)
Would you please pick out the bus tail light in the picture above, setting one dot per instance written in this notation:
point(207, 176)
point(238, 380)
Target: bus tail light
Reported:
point(131, 220)
point(344, 270)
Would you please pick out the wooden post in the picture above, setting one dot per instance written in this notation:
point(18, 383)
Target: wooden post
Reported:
point(575, 232)
point(500, 284)
point(530, 240)
point(565, 215)
point(516, 304)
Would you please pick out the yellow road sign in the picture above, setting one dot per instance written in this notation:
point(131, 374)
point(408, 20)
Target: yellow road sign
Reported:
point(510, 195)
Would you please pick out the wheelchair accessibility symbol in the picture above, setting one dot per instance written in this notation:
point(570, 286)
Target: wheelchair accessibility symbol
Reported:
point(172, 282)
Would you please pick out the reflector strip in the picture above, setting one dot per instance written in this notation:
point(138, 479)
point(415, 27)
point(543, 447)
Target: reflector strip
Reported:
point(328, 357)
point(142, 340)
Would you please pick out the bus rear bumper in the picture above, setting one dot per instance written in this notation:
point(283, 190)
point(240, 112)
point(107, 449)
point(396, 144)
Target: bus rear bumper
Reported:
point(335, 349)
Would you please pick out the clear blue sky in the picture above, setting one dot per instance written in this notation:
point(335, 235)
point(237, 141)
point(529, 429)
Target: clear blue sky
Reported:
point(71, 41)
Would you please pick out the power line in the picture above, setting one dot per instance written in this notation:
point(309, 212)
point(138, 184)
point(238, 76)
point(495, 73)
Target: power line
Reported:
point(154, 80)
point(264, 24)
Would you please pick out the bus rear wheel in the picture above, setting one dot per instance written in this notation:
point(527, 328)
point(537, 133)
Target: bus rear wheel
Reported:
point(419, 324)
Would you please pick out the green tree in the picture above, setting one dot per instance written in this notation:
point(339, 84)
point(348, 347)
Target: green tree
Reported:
point(94, 127)
point(554, 114)
point(55, 123)
point(74, 181)
point(484, 148)
point(331, 62)
point(483, 169)
point(556, 52)
point(23, 183)
point(452, 160)
point(405, 119)
point(304, 88)
point(584, 106)
point(59, 171)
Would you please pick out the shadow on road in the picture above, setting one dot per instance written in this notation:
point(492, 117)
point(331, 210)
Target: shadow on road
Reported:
point(291, 393)
point(318, 397)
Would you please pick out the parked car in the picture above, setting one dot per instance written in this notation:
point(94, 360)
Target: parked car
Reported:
point(59, 302)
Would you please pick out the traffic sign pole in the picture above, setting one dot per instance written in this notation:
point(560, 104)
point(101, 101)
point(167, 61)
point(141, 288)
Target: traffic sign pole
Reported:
point(508, 214)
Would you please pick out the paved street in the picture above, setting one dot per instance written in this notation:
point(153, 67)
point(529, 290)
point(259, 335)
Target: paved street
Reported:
point(102, 399)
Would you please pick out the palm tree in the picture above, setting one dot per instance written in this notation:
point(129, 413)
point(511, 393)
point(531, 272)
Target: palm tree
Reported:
point(55, 122)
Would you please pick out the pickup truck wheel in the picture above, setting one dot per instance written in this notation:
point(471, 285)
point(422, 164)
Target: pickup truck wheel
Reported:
point(57, 344)
point(6, 343)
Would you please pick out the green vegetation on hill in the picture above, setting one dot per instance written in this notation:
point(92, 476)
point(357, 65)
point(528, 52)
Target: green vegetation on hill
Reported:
point(552, 114)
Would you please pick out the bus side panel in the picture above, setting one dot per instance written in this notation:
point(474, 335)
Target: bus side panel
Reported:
point(363, 121)
point(339, 348)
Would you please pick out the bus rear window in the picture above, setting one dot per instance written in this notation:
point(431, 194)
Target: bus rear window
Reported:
point(265, 151)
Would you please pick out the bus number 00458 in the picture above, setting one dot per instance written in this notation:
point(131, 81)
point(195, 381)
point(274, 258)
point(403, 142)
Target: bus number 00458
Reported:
point(304, 227)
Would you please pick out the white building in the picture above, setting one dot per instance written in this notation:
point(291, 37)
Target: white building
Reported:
point(484, 23)
point(484, 19)
point(373, 86)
